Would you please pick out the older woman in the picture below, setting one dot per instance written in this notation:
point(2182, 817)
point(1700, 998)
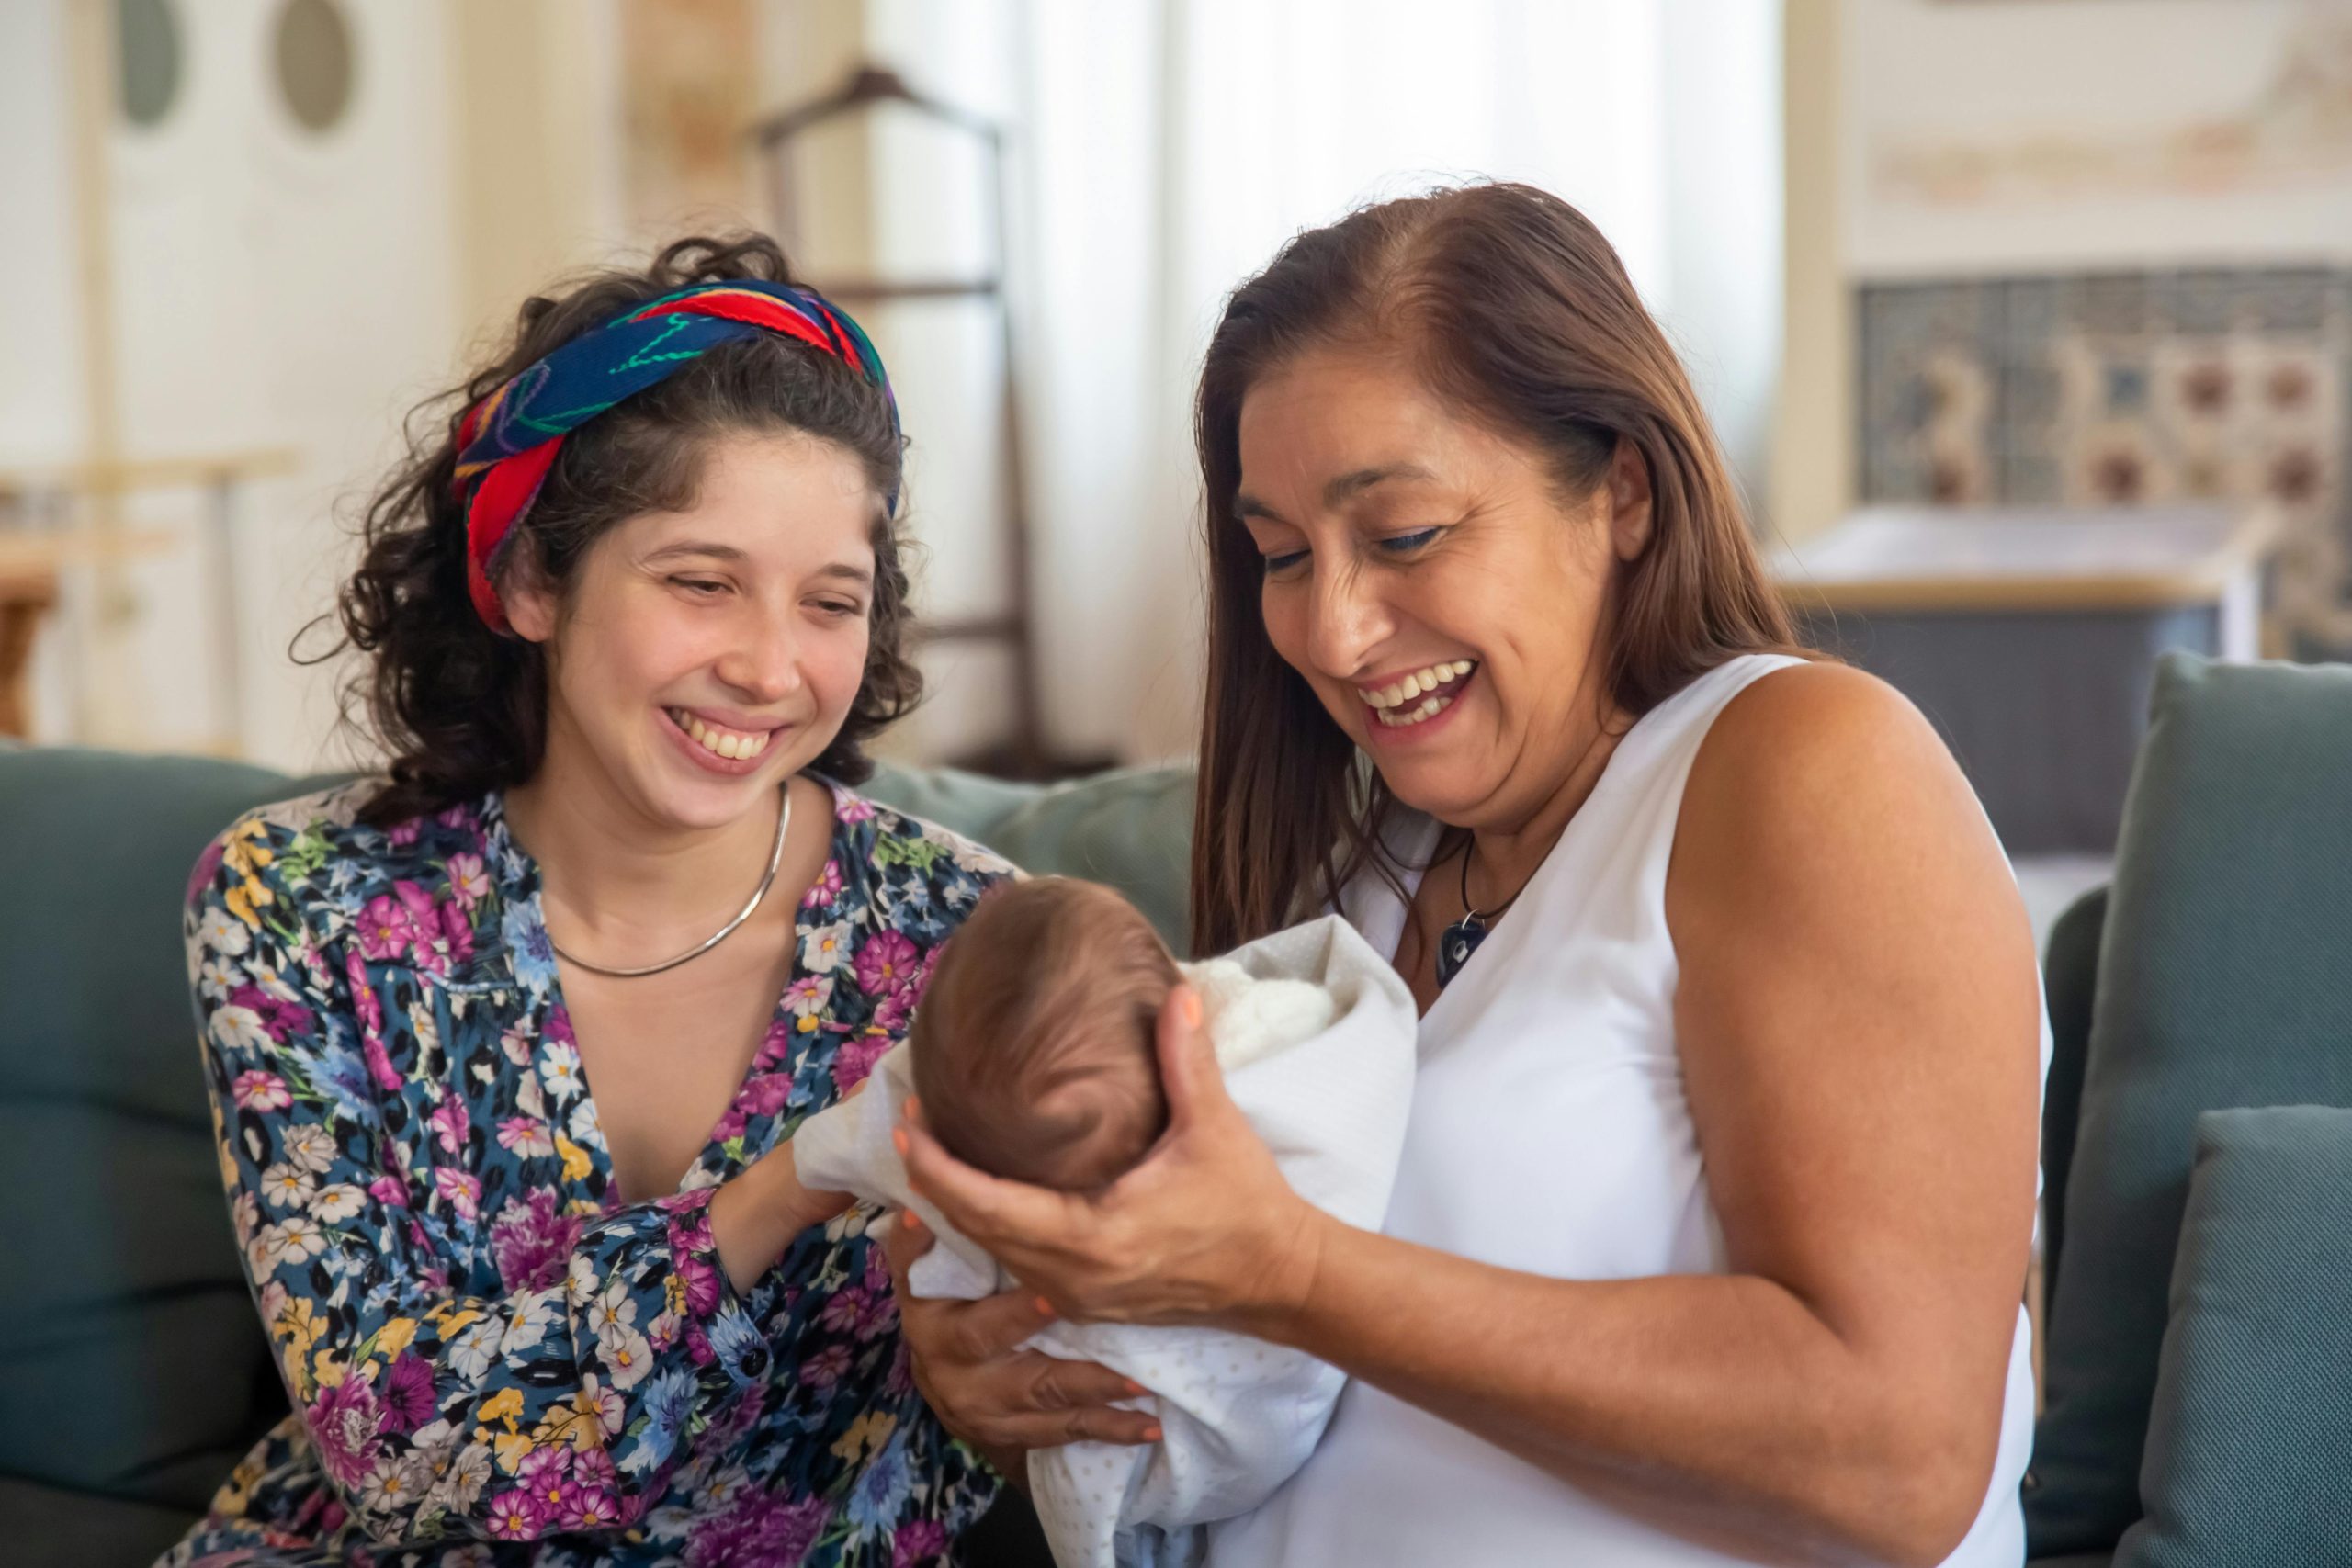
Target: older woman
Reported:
point(1716, 1205)
point(506, 1044)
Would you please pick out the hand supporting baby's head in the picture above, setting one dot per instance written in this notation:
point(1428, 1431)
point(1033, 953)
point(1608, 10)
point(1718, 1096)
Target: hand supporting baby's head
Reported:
point(1032, 1048)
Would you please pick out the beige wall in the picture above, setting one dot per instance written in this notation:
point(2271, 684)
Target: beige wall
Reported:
point(537, 176)
point(1810, 482)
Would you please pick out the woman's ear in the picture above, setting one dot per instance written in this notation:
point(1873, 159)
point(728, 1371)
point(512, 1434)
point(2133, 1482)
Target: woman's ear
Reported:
point(528, 598)
point(1629, 501)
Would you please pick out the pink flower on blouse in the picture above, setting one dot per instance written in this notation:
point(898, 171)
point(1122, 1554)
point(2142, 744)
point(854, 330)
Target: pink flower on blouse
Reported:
point(408, 1393)
point(918, 1541)
point(825, 890)
point(450, 1126)
point(385, 930)
point(515, 1515)
point(854, 1063)
point(461, 1187)
point(379, 1063)
point(886, 962)
point(258, 1090)
point(343, 1421)
point(468, 880)
point(363, 995)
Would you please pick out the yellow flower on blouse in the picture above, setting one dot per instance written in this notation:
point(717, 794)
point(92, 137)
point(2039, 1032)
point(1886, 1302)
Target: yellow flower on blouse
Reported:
point(869, 1431)
point(298, 1324)
point(245, 898)
point(395, 1337)
point(503, 1405)
point(576, 1163)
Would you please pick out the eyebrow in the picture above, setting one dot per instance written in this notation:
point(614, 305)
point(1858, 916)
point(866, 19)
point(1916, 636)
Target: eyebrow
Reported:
point(1345, 487)
point(846, 571)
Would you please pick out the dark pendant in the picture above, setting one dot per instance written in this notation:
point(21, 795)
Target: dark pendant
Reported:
point(1454, 948)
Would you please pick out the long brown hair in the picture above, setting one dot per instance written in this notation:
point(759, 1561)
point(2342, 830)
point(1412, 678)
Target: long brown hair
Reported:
point(460, 710)
point(1514, 310)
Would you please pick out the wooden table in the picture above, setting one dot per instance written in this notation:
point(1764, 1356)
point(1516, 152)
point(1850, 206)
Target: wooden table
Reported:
point(2030, 637)
point(26, 595)
point(84, 495)
point(29, 564)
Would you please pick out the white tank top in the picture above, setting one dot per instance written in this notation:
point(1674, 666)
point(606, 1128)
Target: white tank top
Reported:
point(1550, 1134)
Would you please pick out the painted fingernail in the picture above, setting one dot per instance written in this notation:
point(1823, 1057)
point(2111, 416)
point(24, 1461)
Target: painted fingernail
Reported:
point(1134, 1387)
point(898, 1141)
point(1191, 1008)
point(912, 1106)
point(909, 1219)
point(1151, 1434)
point(1045, 1306)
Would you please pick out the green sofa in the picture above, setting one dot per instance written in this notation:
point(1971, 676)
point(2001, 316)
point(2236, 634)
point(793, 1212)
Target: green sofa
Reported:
point(2190, 1379)
point(133, 1372)
point(2215, 973)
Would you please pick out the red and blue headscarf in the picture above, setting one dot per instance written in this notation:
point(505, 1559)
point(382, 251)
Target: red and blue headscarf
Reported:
point(507, 442)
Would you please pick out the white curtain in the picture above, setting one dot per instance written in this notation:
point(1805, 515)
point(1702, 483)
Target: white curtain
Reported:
point(1163, 150)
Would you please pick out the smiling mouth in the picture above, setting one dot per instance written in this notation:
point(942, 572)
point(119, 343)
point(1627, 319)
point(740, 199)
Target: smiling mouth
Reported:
point(735, 745)
point(1420, 696)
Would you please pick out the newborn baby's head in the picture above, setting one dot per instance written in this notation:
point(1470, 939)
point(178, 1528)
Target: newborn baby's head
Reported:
point(1033, 1047)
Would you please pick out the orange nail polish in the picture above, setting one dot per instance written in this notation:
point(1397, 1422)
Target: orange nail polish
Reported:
point(1151, 1434)
point(1134, 1387)
point(909, 1219)
point(898, 1141)
point(1045, 1306)
point(1191, 1008)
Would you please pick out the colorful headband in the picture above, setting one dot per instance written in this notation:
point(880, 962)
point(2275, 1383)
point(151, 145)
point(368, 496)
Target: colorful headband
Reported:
point(507, 442)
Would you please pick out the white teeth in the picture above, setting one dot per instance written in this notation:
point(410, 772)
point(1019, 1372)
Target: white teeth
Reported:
point(1420, 682)
point(1427, 710)
point(721, 742)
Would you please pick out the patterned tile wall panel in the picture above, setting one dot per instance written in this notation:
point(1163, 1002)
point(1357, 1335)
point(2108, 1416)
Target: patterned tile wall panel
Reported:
point(2122, 388)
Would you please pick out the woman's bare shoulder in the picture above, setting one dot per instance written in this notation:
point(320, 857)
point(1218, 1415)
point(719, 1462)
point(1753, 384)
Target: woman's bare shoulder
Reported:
point(1813, 773)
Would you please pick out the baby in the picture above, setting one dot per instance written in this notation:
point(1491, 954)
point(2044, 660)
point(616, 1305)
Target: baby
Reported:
point(1045, 1073)
point(1033, 1053)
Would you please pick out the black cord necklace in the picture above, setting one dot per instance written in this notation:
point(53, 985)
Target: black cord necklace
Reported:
point(1463, 937)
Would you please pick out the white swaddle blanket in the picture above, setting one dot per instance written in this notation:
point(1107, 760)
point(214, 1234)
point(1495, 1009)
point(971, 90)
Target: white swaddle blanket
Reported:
point(1315, 1034)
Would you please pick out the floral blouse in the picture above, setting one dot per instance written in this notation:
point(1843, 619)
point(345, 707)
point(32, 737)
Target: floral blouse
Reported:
point(492, 1360)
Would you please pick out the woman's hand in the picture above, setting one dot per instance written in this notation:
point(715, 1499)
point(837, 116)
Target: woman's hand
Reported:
point(1001, 1399)
point(1205, 1231)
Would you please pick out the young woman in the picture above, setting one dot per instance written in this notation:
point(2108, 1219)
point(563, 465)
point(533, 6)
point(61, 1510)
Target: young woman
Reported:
point(1712, 1227)
point(507, 1044)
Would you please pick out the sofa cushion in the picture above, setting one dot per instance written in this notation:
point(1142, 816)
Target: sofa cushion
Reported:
point(1131, 829)
point(132, 1344)
point(2069, 985)
point(2223, 981)
point(2250, 1437)
point(59, 1528)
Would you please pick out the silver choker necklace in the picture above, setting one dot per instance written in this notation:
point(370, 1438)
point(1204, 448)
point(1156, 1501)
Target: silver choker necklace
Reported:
point(775, 858)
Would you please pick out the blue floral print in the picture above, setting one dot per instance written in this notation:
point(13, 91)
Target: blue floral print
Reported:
point(493, 1360)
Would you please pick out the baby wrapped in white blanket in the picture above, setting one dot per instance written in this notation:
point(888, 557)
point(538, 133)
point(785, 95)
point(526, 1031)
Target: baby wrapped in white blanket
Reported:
point(1033, 1053)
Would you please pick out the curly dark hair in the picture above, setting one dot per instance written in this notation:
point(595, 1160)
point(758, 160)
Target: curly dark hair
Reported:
point(461, 710)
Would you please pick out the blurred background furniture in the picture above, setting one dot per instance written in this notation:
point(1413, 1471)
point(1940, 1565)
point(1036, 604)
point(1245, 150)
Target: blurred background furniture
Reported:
point(2214, 974)
point(2030, 636)
point(903, 306)
point(134, 1361)
point(28, 590)
point(70, 519)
